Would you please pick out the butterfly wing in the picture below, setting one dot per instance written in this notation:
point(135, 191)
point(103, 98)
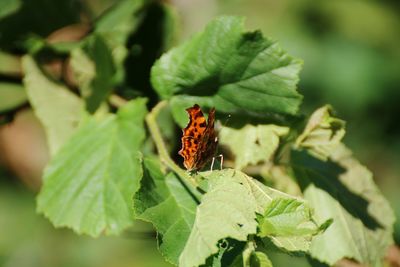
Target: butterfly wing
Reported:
point(208, 144)
point(192, 135)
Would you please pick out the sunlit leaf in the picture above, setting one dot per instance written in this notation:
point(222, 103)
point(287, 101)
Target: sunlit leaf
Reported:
point(116, 25)
point(252, 144)
point(289, 224)
point(228, 209)
point(10, 64)
point(322, 134)
point(252, 258)
point(360, 181)
point(58, 109)
point(236, 71)
point(344, 190)
point(163, 201)
point(259, 259)
point(281, 179)
point(11, 95)
point(88, 186)
point(94, 70)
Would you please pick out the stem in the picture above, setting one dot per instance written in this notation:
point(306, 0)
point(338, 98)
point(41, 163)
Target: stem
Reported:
point(151, 120)
point(162, 150)
point(117, 101)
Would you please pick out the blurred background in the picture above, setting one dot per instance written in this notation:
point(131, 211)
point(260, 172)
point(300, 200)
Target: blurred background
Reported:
point(352, 60)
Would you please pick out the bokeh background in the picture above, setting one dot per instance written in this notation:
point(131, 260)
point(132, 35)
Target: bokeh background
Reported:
point(351, 50)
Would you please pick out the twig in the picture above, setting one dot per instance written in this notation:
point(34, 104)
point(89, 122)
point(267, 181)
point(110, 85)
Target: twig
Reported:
point(393, 256)
point(162, 150)
point(117, 101)
point(151, 119)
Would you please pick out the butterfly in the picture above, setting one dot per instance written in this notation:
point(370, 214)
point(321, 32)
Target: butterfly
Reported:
point(199, 140)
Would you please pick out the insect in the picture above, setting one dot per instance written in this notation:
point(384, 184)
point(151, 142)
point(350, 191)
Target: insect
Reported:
point(199, 140)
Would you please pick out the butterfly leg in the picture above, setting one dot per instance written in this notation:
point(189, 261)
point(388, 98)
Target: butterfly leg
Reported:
point(212, 163)
point(221, 161)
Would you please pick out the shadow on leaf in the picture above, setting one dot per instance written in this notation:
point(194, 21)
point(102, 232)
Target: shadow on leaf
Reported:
point(325, 175)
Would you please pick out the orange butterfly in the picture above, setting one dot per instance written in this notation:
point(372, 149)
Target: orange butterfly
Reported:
point(199, 140)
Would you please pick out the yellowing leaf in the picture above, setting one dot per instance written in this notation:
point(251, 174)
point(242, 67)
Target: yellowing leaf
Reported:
point(322, 134)
point(252, 144)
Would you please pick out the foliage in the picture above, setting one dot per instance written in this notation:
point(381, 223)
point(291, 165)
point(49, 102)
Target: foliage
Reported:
point(105, 171)
point(89, 166)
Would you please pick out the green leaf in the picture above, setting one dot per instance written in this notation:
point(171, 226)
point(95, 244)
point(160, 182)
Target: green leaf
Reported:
point(259, 259)
point(118, 22)
point(57, 108)
point(8, 7)
point(287, 217)
point(116, 25)
point(40, 45)
point(279, 177)
point(236, 71)
point(228, 209)
point(180, 103)
point(163, 201)
point(88, 186)
point(322, 134)
point(361, 182)
point(252, 144)
point(95, 71)
point(289, 224)
point(252, 258)
point(11, 96)
point(343, 189)
point(10, 64)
